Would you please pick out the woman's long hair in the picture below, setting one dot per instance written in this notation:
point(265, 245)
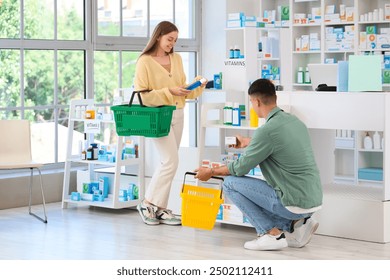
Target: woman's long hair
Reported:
point(161, 29)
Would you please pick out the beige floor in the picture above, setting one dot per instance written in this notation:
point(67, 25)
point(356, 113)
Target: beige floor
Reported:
point(89, 233)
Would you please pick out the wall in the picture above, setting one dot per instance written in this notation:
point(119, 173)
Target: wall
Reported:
point(14, 191)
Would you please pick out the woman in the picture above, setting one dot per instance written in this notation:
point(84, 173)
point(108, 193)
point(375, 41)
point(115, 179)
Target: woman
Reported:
point(160, 70)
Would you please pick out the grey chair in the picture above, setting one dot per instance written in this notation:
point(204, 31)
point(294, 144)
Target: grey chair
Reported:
point(15, 153)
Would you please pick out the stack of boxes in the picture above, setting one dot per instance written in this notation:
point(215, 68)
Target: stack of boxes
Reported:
point(235, 20)
point(346, 14)
point(339, 38)
point(313, 18)
point(270, 18)
point(271, 72)
point(309, 42)
point(371, 39)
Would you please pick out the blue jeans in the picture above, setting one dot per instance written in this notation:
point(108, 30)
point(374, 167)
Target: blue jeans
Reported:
point(259, 202)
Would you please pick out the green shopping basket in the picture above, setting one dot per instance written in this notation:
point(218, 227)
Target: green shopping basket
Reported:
point(140, 120)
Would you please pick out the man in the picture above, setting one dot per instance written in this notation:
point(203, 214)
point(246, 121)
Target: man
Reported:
point(279, 208)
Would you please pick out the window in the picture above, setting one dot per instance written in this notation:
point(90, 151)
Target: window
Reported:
point(52, 56)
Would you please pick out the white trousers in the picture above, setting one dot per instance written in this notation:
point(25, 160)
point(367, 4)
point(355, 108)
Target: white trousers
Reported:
point(159, 188)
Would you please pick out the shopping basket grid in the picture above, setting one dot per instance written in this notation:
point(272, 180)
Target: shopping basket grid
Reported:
point(200, 205)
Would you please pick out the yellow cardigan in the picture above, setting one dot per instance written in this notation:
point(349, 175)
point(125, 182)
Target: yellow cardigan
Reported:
point(150, 75)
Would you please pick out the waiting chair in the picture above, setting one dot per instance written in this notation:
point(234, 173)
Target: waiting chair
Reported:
point(15, 153)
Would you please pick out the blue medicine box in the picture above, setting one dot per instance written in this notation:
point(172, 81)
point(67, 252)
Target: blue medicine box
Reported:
point(370, 173)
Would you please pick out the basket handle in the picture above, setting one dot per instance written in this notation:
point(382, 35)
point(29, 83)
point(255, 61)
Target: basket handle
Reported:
point(194, 174)
point(138, 92)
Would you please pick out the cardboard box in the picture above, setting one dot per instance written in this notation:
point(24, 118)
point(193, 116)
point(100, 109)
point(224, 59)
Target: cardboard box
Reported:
point(231, 213)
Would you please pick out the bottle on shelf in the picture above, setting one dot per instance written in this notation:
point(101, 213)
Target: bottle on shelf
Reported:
point(300, 75)
point(236, 51)
point(236, 120)
point(367, 142)
point(90, 112)
point(253, 118)
point(231, 52)
point(228, 113)
point(377, 140)
point(307, 79)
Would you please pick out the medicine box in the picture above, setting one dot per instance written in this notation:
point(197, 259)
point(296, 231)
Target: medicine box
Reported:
point(344, 142)
point(230, 140)
point(231, 213)
point(370, 173)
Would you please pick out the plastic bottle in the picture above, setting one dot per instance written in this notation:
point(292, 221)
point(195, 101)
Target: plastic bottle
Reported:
point(236, 52)
point(377, 140)
point(196, 84)
point(253, 118)
point(90, 112)
point(300, 76)
point(367, 142)
point(227, 113)
point(236, 119)
point(95, 149)
point(307, 76)
point(82, 112)
point(78, 112)
point(231, 52)
point(90, 153)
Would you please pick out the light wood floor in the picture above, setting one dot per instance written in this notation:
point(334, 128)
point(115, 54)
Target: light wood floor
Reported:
point(90, 233)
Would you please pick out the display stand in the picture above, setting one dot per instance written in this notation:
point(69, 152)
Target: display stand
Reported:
point(116, 169)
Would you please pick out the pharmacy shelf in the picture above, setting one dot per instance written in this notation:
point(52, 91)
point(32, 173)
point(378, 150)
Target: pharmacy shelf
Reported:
point(95, 166)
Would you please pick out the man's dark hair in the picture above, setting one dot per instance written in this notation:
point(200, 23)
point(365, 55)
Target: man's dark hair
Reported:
point(264, 89)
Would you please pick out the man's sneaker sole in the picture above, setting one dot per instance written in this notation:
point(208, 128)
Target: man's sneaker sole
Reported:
point(148, 221)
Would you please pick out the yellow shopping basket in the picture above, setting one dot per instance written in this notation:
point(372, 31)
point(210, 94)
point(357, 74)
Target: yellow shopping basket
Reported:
point(200, 205)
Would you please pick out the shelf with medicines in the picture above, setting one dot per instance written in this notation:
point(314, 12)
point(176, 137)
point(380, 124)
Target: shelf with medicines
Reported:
point(116, 158)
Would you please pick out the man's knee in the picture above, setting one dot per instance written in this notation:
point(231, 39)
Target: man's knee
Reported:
point(227, 183)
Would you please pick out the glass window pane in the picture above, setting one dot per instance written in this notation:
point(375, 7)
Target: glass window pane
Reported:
point(184, 18)
point(70, 20)
point(71, 82)
point(43, 135)
point(108, 18)
point(10, 19)
point(106, 75)
point(129, 60)
point(38, 19)
point(160, 10)
point(135, 21)
point(10, 78)
point(38, 77)
point(7, 114)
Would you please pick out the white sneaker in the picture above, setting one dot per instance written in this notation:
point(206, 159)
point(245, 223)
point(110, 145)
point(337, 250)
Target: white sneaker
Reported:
point(148, 213)
point(267, 242)
point(303, 231)
point(166, 216)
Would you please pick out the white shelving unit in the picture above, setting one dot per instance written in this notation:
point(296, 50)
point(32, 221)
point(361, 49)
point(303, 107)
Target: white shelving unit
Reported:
point(116, 170)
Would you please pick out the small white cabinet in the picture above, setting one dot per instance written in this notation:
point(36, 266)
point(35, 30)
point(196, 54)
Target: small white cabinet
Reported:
point(115, 169)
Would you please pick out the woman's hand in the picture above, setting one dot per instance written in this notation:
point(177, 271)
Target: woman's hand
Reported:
point(179, 91)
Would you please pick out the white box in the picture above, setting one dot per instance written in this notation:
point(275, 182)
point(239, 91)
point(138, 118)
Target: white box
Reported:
point(387, 11)
point(230, 140)
point(231, 213)
point(343, 142)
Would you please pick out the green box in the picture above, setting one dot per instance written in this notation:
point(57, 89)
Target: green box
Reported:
point(386, 76)
point(371, 29)
point(285, 10)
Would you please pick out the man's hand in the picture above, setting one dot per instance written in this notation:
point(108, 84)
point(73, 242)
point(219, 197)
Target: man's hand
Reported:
point(242, 142)
point(203, 173)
